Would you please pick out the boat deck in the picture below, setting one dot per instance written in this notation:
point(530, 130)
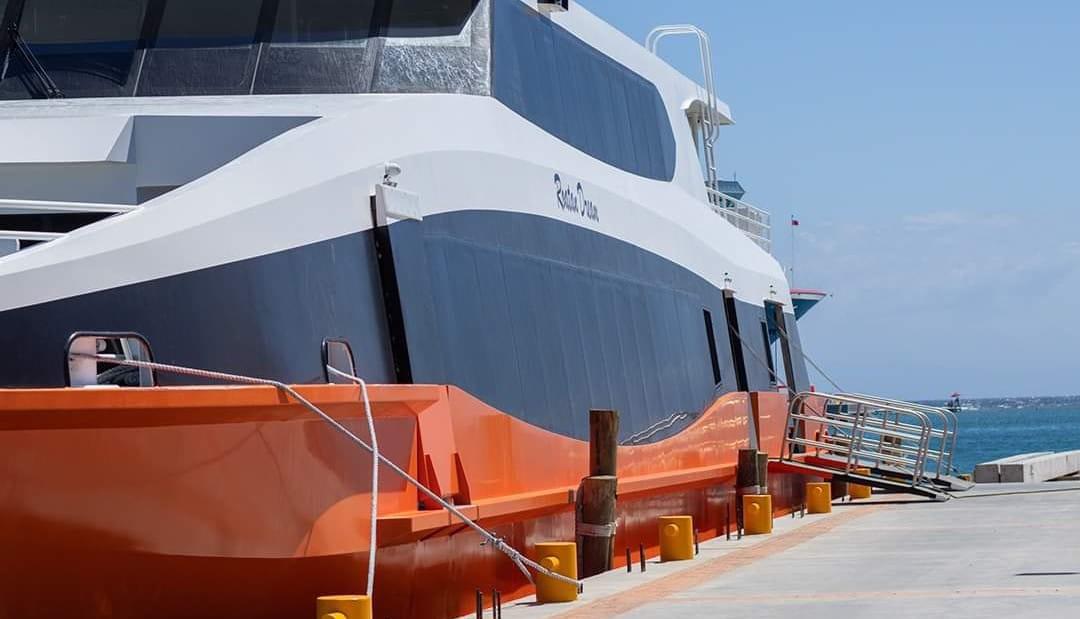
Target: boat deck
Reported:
point(995, 551)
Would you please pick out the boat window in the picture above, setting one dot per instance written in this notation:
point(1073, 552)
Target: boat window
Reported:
point(581, 96)
point(428, 18)
point(766, 342)
point(111, 48)
point(207, 23)
point(742, 382)
point(710, 335)
point(312, 21)
point(774, 313)
point(201, 47)
point(86, 48)
point(317, 21)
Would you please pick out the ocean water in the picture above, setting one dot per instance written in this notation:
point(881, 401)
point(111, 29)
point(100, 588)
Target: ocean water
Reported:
point(997, 427)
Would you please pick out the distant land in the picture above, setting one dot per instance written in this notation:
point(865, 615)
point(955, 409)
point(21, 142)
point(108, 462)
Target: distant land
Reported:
point(1037, 402)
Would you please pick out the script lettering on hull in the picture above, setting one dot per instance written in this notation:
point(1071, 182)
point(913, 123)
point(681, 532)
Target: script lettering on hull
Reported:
point(570, 197)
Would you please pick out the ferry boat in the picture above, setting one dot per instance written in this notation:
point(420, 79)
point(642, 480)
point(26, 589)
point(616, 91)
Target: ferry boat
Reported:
point(500, 213)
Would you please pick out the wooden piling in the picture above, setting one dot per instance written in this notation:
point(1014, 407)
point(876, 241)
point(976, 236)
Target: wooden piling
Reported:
point(603, 442)
point(596, 507)
point(762, 472)
point(745, 480)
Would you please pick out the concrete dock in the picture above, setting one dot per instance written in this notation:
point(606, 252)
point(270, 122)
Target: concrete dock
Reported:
point(1029, 468)
point(1000, 550)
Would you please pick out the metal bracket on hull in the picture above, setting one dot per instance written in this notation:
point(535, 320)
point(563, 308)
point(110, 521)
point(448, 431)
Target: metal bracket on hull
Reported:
point(391, 204)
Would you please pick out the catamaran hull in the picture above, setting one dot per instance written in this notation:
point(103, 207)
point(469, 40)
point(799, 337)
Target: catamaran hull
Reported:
point(233, 501)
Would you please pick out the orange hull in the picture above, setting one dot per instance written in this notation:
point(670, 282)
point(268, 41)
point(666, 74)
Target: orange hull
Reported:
point(234, 501)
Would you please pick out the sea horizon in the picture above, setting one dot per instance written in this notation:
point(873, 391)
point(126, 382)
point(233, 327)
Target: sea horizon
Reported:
point(997, 427)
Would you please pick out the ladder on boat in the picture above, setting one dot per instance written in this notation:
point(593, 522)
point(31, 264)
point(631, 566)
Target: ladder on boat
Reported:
point(887, 444)
point(709, 119)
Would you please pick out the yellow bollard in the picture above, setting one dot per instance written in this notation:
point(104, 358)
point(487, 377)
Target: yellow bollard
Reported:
point(818, 497)
point(757, 513)
point(676, 538)
point(561, 558)
point(343, 607)
point(859, 491)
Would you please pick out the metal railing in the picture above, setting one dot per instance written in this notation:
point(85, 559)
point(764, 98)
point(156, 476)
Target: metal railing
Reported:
point(11, 206)
point(896, 438)
point(710, 120)
point(754, 222)
point(24, 238)
point(29, 235)
point(944, 434)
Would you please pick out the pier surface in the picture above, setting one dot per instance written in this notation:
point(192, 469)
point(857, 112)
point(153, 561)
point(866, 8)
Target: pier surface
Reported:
point(999, 550)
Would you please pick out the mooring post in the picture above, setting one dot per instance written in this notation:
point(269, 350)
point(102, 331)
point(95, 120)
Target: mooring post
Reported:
point(727, 520)
point(762, 472)
point(745, 480)
point(596, 509)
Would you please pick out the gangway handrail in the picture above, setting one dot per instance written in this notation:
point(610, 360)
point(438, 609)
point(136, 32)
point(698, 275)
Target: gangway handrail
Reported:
point(941, 410)
point(899, 407)
point(946, 414)
point(883, 427)
point(860, 423)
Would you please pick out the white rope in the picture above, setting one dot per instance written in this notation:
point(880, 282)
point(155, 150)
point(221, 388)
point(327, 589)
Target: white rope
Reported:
point(521, 561)
point(374, 473)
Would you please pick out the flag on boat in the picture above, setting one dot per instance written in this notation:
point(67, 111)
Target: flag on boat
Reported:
point(794, 221)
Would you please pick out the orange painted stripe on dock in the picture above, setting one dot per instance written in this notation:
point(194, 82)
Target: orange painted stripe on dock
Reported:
point(698, 575)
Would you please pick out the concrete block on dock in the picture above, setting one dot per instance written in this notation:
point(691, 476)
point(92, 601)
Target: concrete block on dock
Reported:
point(1029, 468)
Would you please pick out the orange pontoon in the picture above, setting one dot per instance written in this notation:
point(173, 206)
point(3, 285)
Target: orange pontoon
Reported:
point(237, 501)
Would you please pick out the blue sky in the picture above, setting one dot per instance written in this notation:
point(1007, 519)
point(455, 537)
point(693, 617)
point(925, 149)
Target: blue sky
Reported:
point(931, 151)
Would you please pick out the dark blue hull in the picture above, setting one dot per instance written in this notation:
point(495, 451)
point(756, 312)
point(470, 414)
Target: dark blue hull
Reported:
point(539, 318)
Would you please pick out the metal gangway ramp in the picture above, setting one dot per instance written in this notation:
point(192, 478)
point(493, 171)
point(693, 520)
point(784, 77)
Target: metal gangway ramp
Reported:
point(900, 446)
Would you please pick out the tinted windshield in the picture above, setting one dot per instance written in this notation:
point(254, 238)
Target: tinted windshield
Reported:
point(110, 48)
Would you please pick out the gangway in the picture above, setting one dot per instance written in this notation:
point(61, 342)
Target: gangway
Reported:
point(945, 435)
point(905, 447)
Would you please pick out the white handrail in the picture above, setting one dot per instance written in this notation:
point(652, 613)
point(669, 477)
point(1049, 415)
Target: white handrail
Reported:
point(29, 235)
point(712, 123)
point(754, 222)
point(54, 206)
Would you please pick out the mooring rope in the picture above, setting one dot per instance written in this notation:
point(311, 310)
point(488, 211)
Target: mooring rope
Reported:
point(375, 455)
point(807, 358)
point(762, 362)
point(522, 562)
